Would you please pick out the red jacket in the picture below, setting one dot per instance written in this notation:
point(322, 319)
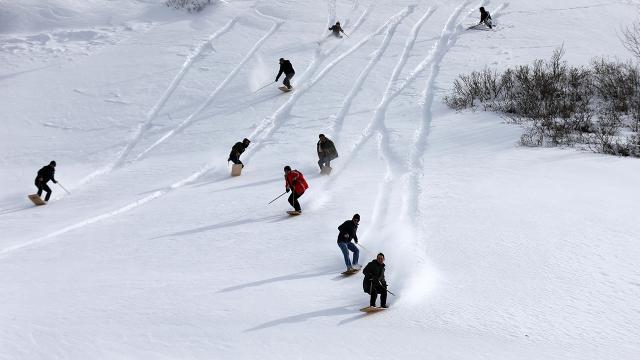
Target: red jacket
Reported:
point(295, 180)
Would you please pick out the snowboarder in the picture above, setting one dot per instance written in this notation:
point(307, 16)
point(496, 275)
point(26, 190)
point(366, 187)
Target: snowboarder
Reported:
point(347, 233)
point(326, 151)
point(287, 69)
point(294, 181)
point(374, 282)
point(237, 150)
point(485, 17)
point(337, 29)
point(44, 175)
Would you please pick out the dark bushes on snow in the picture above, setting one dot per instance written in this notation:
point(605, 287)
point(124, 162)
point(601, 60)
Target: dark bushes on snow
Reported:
point(189, 5)
point(596, 106)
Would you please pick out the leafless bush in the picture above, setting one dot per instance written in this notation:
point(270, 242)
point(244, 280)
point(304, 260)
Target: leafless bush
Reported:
point(631, 39)
point(561, 105)
point(189, 5)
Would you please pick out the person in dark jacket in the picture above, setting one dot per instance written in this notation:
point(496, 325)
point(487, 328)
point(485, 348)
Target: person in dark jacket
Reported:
point(326, 151)
point(44, 175)
point(237, 150)
point(337, 29)
point(374, 282)
point(485, 17)
point(287, 69)
point(347, 233)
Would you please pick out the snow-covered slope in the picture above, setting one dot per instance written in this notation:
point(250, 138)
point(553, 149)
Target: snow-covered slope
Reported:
point(494, 251)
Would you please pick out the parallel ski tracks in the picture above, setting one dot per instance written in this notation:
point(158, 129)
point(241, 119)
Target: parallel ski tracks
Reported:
point(212, 96)
point(152, 114)
point(413, 167)
point(413, 187)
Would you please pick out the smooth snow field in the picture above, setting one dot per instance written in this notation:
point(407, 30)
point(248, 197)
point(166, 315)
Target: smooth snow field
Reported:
point(495, 251)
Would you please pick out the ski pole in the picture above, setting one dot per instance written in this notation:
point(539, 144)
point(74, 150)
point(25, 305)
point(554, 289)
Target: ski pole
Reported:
point(390, 292)
point(345, 34)
point(279, 196)
point(264, 87)
point(363, 248)
point(67, 191)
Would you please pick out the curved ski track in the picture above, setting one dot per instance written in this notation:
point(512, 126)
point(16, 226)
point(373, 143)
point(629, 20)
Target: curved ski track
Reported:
point(415, 163)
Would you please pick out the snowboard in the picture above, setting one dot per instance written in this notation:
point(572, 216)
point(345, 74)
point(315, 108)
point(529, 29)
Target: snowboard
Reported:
point(284, 88)
point(481, 26)
point(350, 272)
point(36, 199)
point(372, 309)
point(326, 170)
point(293, 212)
point(236, 169)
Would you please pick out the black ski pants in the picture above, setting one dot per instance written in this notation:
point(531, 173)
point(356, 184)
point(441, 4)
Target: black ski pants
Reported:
point(236, 160)
point(43, 186)
point(287, 80)
point(374, 291)
point(293, 200)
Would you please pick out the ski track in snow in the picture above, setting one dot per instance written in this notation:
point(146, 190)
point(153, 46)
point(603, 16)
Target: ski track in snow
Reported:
point(447, 40)
point(155, 195)
point(146, 124)
point(178, 128)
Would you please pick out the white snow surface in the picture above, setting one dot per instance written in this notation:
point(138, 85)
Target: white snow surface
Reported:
point(494, 251)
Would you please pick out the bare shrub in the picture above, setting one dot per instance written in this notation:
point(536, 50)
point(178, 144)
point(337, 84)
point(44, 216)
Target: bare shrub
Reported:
point(631, 39)
point(561, 105)
point(189, 5)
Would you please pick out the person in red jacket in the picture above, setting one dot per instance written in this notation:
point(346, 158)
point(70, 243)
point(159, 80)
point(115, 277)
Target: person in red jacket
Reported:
point(294, 180)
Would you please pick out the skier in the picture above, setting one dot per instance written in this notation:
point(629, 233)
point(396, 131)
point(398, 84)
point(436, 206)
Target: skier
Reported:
point(374, 282)
point(44, 175)
point(485, 17)
point(337, 29)
point(347, 233)
point(237, 150)
point(287, 69)
point(326, 151)
point(294, 181)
